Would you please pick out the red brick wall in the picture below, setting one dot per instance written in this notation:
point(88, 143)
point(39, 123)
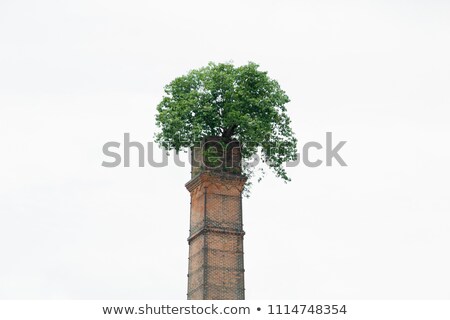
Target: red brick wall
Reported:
point(216, 265)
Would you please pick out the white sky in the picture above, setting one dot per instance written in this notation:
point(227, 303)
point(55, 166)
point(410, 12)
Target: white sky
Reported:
point(74, 75)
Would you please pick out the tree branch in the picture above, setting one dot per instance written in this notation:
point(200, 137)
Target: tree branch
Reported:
point(229, 132)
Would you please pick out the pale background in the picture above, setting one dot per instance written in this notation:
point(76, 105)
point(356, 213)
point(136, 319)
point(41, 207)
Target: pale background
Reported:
point(76, 74)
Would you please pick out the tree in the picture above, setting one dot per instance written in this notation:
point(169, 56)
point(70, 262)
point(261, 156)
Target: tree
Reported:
point(240, 103)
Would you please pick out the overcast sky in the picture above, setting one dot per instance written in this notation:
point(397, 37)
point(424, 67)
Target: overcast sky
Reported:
point(77, 74)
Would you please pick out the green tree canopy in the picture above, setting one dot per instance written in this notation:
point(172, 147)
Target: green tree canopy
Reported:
point(240, 103)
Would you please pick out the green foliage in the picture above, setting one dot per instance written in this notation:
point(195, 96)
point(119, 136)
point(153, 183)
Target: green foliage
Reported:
point(212, 157)
point(232, 102)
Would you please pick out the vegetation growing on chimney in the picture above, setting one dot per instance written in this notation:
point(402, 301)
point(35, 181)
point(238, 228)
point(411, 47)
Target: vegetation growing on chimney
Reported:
point(240, 103)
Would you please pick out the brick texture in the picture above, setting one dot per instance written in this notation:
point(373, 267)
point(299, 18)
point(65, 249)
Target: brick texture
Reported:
point(216, 257)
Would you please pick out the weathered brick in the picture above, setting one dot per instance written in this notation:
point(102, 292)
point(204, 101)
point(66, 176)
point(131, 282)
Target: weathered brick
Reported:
point(216, 262)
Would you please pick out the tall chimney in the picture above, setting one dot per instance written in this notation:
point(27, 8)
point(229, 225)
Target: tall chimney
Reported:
point(216, 257)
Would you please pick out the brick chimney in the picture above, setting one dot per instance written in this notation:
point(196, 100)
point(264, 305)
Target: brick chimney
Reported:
point(216, 257)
